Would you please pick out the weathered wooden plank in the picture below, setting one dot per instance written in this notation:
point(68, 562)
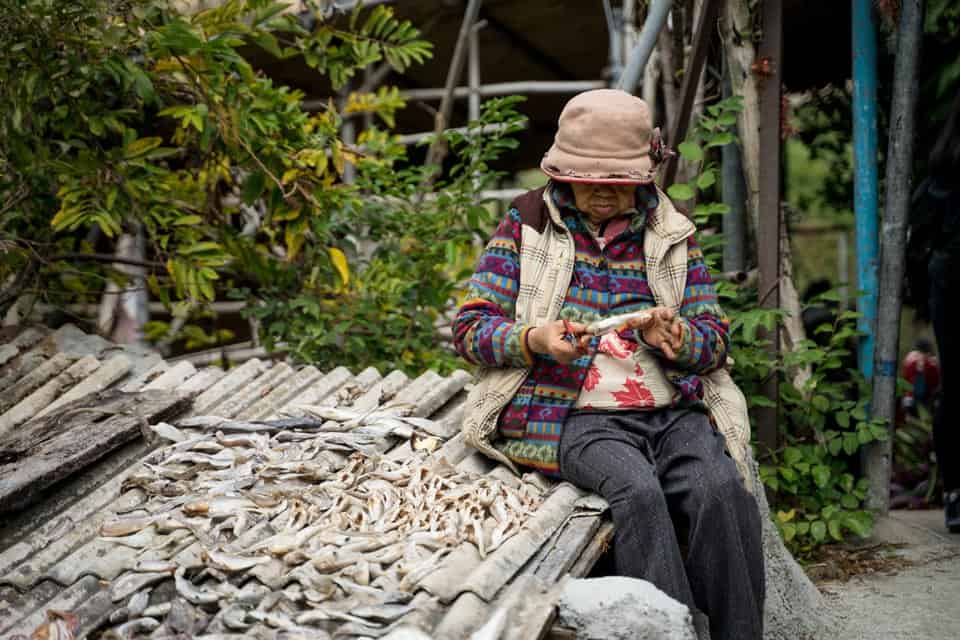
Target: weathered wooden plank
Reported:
point(599, 545)
point(227, 386)
point(281, 394)
point(34, 380)
point(42, 397)
point(105, 375)
point(55, 458)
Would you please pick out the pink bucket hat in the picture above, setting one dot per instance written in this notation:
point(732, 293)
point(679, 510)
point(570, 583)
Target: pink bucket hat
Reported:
point(605, 135)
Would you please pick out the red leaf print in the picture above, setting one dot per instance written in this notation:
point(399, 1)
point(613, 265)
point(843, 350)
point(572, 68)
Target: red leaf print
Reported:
point(593, 378)
point(615, 346)
point(634, 395)
point(638, 370)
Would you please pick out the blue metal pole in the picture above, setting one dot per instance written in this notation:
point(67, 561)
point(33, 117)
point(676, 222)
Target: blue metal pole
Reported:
point(865, 174)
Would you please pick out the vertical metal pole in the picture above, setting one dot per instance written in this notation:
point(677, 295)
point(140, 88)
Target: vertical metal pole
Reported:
point(473, 73)
point(768, 233)
point(865, 174)
point(896, 202)
point(734, 196)
point(646, 41)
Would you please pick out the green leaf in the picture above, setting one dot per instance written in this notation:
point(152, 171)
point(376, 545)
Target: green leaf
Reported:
point(843, 419)
point(833, 526)
point(680, 191)
point(818, 530)
point(189, 220)
point(253, 187)
point(721, 139)
point(706, 179)
point(821, 475)
point(792, 455)
point(690, 151)
point(848, 501)
point(850, 443)
point(141, 146)
point(789, 531)
point(820, 403)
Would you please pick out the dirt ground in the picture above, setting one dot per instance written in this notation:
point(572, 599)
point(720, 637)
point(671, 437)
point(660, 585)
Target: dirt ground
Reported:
point(915, 594)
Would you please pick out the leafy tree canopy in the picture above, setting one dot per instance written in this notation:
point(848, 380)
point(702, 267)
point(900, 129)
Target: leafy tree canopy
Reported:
point(126, 118)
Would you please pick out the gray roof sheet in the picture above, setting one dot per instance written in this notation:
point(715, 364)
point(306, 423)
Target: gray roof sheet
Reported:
point(51, 558)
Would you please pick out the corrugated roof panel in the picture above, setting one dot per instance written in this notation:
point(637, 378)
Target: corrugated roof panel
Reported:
point(67, 549)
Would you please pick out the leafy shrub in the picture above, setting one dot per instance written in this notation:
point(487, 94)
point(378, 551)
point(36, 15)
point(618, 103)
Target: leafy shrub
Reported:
point(814, 492)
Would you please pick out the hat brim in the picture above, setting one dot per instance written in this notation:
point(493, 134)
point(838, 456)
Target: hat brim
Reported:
point(564, 166)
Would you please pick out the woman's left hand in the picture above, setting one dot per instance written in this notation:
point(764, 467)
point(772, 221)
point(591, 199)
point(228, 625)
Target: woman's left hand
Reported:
point(662, 329)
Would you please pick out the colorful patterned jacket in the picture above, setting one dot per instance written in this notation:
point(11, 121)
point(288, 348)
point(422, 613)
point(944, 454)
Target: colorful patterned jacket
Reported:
point(527, 396)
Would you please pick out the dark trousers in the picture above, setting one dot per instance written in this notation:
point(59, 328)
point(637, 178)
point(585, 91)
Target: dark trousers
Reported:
point(668, 471)
point(944, 307)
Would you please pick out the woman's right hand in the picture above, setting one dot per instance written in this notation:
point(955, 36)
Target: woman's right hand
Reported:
point(549, 339)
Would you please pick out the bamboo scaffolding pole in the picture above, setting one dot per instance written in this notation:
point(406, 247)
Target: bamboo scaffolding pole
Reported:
point(501, 89)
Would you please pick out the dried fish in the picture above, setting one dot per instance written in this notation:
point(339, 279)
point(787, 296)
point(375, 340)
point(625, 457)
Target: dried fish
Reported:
point(124, 526)
point(191, 593)
point(133, 627)
point(383, 612)
point(230, 562)
point(138, 540)
point(168, 432)
point(157, 610)
point(617, 322)
point(219, 507)
point(305, 513)
point(234, 618)
point(130, 583)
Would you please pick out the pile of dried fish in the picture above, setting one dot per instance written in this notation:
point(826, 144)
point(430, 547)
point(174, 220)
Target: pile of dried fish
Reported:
point(297, 525)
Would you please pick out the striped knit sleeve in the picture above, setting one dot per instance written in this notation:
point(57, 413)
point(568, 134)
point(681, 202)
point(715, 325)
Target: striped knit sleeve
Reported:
point(704, 324)
point(484, 331)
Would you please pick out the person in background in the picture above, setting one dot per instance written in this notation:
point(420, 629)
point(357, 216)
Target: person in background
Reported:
point(933, 267)
point(921, 370)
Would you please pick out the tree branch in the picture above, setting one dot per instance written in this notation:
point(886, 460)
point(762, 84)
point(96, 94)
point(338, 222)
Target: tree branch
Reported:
point(106, 257)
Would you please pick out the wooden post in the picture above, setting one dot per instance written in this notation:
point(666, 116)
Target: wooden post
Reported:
point(473, 72)
point(768, 233)
point(893, 238)
point(706, 26)
point(438, 149)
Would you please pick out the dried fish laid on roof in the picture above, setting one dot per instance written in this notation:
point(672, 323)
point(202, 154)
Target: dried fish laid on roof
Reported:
point(270, 526)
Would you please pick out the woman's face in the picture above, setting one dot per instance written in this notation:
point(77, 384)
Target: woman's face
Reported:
point(601, 202)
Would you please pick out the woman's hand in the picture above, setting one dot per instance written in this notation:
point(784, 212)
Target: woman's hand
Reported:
point(662, 329)
point(549, 339)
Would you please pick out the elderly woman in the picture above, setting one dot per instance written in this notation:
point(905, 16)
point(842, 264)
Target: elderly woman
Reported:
point(623, 413)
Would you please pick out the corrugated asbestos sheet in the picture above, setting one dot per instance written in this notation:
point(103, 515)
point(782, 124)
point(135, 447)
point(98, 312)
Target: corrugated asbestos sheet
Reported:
point(51, 556)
